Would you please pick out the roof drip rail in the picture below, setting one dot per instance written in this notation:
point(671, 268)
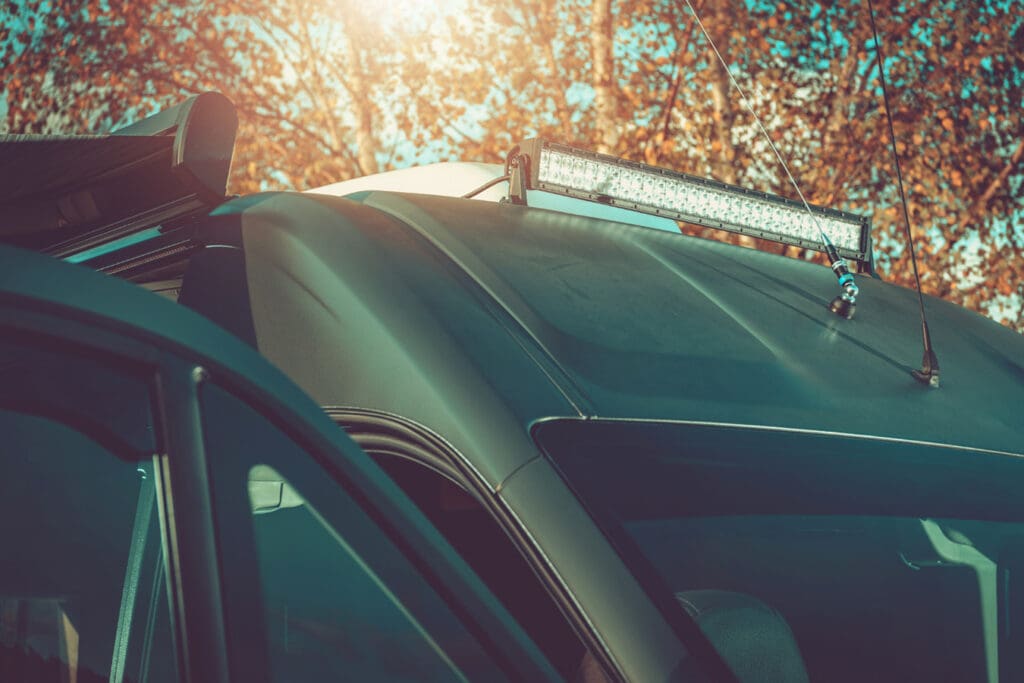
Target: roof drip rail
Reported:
point(61, 194)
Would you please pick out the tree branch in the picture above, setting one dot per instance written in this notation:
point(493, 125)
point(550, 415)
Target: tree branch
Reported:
point(979, 204)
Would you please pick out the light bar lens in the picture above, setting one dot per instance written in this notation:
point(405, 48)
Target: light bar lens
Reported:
point(694, 200)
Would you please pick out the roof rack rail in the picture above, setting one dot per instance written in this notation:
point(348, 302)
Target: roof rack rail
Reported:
point(61, 194)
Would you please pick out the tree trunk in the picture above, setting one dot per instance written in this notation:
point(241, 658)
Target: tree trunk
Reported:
point(723, 111)
point(723, 156)
point(603, 76)
point(366, 143)
point(723, 100)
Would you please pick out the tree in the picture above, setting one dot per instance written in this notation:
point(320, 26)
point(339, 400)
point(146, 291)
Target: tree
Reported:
point(326, 92)
point(301, 76)
point(810, 74)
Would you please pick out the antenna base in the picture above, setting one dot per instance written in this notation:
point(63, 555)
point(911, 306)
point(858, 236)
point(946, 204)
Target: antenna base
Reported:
point(843, 306)
point(929, 372)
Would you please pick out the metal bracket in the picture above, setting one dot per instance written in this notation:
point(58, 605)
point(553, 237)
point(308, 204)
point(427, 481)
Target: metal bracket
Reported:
point(517, 167)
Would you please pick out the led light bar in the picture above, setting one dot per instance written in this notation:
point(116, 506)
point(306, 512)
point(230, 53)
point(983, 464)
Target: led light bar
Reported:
point(627, 184)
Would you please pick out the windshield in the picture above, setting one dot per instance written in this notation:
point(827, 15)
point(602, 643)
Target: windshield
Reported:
point(820, 557)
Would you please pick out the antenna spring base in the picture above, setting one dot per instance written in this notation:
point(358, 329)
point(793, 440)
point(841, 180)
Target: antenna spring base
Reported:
point(844, 305)
point(929, 372)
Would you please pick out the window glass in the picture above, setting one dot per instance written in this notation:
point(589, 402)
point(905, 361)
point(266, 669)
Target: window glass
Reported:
point(341, 599)
point(329, 617)
point(82, 577)
point(866, 598)
point(485, 546)
point(109, 403)
point(835, 559)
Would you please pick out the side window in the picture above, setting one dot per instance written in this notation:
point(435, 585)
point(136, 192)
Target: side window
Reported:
point(339, 597)
point(82, 593)
point(330, 616)
point(484, 545)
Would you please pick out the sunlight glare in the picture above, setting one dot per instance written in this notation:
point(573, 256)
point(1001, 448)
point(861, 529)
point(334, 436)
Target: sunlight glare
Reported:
point(409, 16)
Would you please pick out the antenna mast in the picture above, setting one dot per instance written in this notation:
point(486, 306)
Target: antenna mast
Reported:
point(929, 372)
point(845, 304)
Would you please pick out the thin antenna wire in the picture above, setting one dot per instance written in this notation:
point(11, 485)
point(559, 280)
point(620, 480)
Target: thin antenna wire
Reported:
point(757, 119)
point(929, 372)
point(844, 304)
point(892, 140)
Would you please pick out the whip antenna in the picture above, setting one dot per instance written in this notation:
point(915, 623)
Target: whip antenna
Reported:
point(929, 372)
point(845, 304)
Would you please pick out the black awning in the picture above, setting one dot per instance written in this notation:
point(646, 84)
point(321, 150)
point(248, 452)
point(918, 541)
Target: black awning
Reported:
point(61, 194)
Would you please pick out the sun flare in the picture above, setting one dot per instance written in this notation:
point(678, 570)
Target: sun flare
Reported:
point(409, 16)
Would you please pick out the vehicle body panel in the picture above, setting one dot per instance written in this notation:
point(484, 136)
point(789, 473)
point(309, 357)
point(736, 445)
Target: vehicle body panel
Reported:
point(478, 321)
point(619, 322)
point(66, 306)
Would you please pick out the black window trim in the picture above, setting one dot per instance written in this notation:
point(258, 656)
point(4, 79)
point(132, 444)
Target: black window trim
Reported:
point(414, 441)
point(185, 504)
point(175, 460)
point(436, 562)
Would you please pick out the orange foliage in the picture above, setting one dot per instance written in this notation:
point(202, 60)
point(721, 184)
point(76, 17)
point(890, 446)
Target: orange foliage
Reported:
point(324, 94)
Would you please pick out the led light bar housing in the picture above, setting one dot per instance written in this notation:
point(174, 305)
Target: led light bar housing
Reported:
point(565, 170)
